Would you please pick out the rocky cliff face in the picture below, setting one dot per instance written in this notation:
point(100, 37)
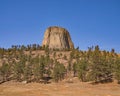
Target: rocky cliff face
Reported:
point(57, 38)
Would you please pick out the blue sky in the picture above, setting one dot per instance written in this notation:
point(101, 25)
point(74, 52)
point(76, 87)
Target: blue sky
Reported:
point(90, 22)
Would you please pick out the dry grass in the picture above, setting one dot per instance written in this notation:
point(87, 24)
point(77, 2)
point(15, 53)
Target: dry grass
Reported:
point(59, 89)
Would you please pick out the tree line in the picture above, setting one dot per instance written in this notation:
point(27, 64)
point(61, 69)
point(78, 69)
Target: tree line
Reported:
point(92, 65)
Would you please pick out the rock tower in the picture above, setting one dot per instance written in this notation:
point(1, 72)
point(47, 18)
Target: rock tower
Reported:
point(57, 38)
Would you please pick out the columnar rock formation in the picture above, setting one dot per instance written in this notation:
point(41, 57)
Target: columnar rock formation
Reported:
point(57, 38)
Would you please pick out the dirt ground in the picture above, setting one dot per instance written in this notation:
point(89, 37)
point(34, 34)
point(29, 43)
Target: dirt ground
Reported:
point(59, 89)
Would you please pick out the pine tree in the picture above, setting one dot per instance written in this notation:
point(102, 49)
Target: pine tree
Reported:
point(58, 72)
point(82, 70)
point(75, 69)
point(117, 69)
point(18, 70)
point(27, 70)
point(4, 72)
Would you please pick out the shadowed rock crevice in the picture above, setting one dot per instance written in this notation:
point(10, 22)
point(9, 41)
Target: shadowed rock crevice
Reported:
point(57, 38)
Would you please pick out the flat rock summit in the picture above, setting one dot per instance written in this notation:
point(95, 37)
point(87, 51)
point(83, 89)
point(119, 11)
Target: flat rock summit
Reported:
point(57, 38)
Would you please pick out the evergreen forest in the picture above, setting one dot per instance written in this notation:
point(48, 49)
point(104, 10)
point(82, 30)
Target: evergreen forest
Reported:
point(33, 63)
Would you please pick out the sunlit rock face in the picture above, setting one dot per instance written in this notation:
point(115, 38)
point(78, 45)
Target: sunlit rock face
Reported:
point(57, 38)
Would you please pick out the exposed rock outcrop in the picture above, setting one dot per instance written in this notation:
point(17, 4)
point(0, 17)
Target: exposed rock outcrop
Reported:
point(57, 38)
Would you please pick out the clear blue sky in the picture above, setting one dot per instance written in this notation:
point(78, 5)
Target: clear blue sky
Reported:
point(90, 22)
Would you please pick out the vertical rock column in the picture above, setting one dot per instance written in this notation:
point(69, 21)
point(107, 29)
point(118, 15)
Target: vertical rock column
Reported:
point(57, 38)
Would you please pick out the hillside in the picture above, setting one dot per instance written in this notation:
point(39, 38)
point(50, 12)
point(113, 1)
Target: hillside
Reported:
point(34, 63)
